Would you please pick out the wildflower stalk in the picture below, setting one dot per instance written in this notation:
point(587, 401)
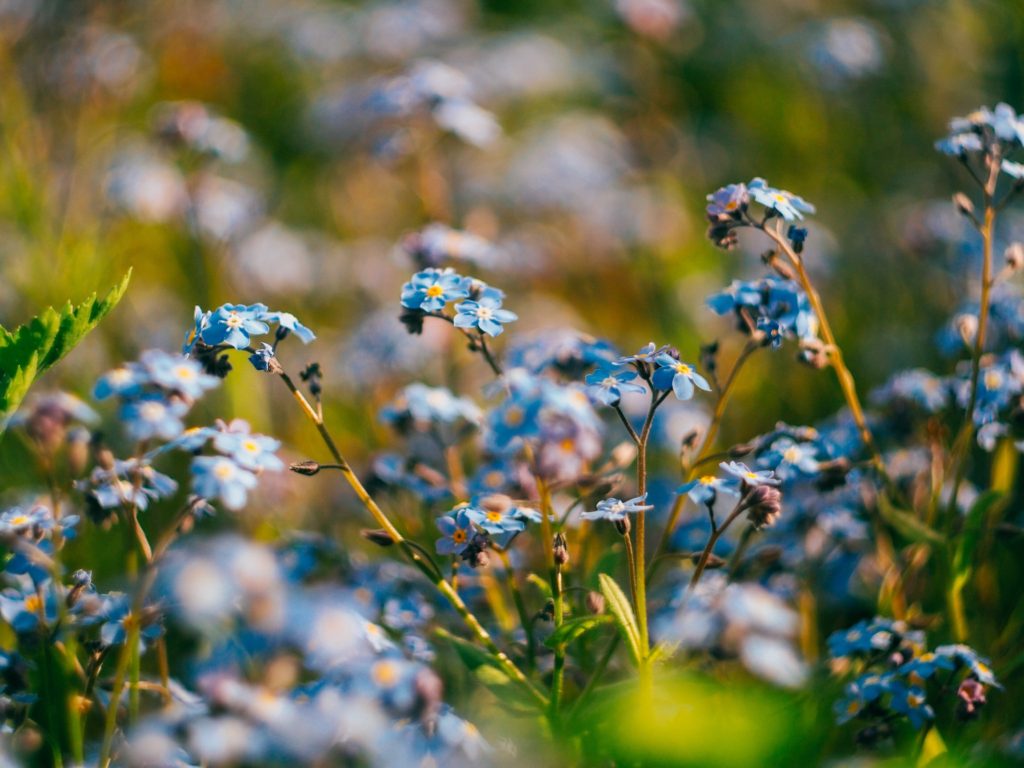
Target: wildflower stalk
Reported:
point(961, 447)
point(520, 604)
point(415, 556)
point(716, 534)
point(702, 454)
point(555, 578)
point(835, 353)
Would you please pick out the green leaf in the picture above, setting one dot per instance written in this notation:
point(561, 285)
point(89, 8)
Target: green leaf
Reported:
point(472, 656)
point(907, 524)
point(619, 605)
point(574, 628)
point(974, 526)
point(932, 748)
point(540, 583)
point(31, 349)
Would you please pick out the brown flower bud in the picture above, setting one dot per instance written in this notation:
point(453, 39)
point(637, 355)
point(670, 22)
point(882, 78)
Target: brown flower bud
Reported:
point(560, 550)
point(763, 505)
point(595, 602)
point(378, 536)
point(963, 204)
point(308, 467)
point(714, 561)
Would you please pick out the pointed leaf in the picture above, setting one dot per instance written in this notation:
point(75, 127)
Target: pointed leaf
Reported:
point(31, 349)
point(619, 605)
point(574, 628)
point(907, 524)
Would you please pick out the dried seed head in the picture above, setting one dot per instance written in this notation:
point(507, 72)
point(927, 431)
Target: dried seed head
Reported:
point(378, 536)
point(763, 505)
point(308, 467)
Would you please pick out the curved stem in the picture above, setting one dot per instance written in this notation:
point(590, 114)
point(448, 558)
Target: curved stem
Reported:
point(417, 556)
point(716, 534)
point(702, 454)
point(555, 576)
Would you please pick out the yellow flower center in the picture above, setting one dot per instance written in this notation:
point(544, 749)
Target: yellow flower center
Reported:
point(234, 320)
point(224, 470)
point(250, 446)
point(459, 536)
point(707, 480)
point(33, 603)
point(19, 520)
point(494, 517)
point(683, 368)
point(435, 291)
point(185, 372)
point(384, 674)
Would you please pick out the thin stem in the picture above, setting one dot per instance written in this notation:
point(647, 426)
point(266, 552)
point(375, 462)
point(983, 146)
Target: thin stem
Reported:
point(416, 556)
point(555, 577)
point(702, 454)
point(520, 603)
point(835, 353)
point(716, 534)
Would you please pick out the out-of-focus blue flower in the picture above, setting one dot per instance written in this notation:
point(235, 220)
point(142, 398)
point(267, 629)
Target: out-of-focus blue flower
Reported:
point(787, 458)
point(777, 307)
point(430, 405)
point(918, 386)
point(201, 321)
point(871, 636)
point(127, 483)
point(982, 131)
point(484, 314)
point(235, 324)
point(24, 607)
point(730, 200)
point(431, 289)
point(218, 477)
point(748, 476)
point(290, 323)
point(614, 509)
point(912, 702)
point(608, 382)
point(262, 359)
point(496, 521)
point(456, 530)
point(250, 451)
point(789, 206)
point(965, 656)
point(124, 381)
point(568, 352)
point(678, 376)
point(705, 489)
point(175, 373)
point(921, 668)
point(645, 354)
point(860, 693)
point(153, 415)
point(18, 522)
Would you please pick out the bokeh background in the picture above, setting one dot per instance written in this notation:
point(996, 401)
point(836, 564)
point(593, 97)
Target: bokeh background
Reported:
point(612, 119)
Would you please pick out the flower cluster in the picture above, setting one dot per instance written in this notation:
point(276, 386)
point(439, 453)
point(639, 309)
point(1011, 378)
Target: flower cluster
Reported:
point(993, 132)
point(728, 210)
point(430, 291)
point(768, 310)
point(898, 677)
point(234, 326)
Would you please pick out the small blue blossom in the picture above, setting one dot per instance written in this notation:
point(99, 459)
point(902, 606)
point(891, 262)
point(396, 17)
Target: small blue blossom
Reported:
point(290, 323)
point(153, 415)
point(263, 358)
point(705, 490)
point(778, 308)
point(645, 354)
point(456, 530)
point(678, 376)
point(608, 382)
point(912, 702)
point(484, 314)
point(789, 206)
point(431, 289)
point(614, 509)
point(496, 521)
point(218, 477)
point(125, 381)
point(749, 476)
point(201, 321)
point(728, 201)
point(859, 694)
point(965, 656)
point(176, 374)
point(250, 451)
point(235, 324)
point(921, 668)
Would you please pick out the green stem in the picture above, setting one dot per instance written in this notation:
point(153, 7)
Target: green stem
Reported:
point(415, 556)
point(555, 577)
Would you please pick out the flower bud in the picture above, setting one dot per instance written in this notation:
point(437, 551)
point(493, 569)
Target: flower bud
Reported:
point(308, 467)
point(763, 505)
point(560, 550)
point(714, 561)
point(378, 536)
point(971, 696)
point(1014, 256)
point(595, 603)
point(963, 204)
point(623, 526)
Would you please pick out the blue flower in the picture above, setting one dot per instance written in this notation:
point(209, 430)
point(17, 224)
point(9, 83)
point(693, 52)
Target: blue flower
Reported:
point(866, 637)
point(777, 307)
point(922, 667)
point(16, 522)
point(965, 656)
point(290, 323)
point(249, 451)
point(176, 373)
point(430, 405)
point(911, 702)
point(613, 509)
point(646, 353)
point(201, 323)
point(126, 483)
point(860, 693)
point(456, 530)
point(218, 477)
point(153, 415)
point(235, 324)
point(125, 381)
point(788, 458)
point(678, 376)
point(984, 130)
point(496, 521)
point(705, 490)
point(609, 381)
point(728, 201)
point(789, 206)
point(431, 289)
point(485, 314)
point(263, 358)
point(749, 476)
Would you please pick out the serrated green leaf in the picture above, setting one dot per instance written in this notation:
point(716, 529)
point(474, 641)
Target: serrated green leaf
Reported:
point(572, 629)
point(619, 605)
point(31, 349)
point(907, 524)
